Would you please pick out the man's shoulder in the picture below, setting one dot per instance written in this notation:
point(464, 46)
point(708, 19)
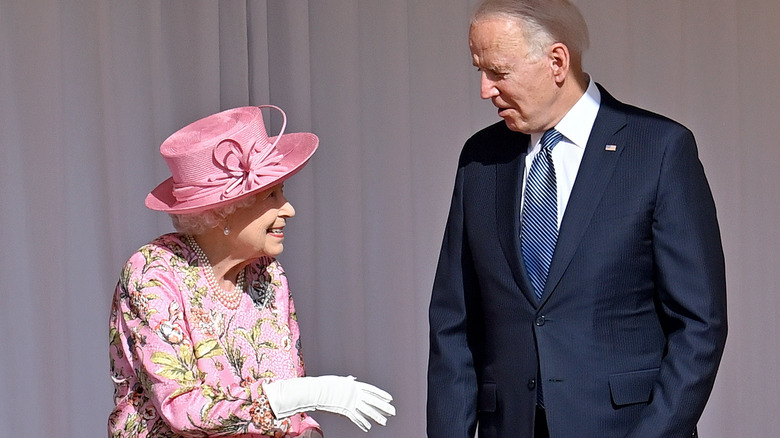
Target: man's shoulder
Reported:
point(496, 132)
point(638, 116)
point(494, 143)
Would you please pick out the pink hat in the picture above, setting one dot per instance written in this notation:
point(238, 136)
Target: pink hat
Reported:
point(224, 157)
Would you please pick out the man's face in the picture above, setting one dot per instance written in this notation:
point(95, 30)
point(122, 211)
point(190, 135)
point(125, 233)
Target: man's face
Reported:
point(520, 84)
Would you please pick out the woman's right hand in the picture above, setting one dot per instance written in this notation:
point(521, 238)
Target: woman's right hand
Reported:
point(346, 396)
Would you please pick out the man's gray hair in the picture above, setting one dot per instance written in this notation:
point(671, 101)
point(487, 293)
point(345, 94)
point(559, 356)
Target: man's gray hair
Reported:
point(543, 22)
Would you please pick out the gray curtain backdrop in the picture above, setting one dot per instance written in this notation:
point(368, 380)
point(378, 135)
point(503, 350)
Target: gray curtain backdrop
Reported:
point(90, 88)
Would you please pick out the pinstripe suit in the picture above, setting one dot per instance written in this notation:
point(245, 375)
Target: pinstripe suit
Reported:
point(628, 336)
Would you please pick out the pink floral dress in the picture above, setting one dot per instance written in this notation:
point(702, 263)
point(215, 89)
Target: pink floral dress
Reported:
point(184, 365)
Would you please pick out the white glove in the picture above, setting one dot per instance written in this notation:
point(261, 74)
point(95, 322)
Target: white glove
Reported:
point(346, 396)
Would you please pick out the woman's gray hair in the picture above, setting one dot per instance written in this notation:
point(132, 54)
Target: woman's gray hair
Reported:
point(543, 22)
point(196, 223)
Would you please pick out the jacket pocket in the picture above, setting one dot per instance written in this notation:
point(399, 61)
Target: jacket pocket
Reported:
point(632, 387)
point(486, 399)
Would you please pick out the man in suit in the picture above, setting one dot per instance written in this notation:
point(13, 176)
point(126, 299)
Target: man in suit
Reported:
point(583, 295)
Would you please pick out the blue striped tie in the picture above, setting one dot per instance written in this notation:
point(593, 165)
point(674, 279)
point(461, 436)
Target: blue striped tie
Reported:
point(539, 219)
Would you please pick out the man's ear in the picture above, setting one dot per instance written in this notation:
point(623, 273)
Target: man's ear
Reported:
point(560, 62)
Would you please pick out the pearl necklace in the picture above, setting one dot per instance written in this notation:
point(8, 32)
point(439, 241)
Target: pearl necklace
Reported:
point(230, 300)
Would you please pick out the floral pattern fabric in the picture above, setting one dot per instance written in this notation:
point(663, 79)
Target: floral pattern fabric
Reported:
point(184, 365)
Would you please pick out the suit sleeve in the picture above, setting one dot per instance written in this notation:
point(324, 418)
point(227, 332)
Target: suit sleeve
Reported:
point(691, 290)
point(452, 379)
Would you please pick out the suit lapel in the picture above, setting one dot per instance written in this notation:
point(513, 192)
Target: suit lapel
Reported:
point(598, 164)
point(509, 177)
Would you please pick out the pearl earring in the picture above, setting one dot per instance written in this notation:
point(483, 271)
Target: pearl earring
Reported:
point(226, 230)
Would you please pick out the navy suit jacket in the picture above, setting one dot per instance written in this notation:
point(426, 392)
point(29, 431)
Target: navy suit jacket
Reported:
point(629, 333)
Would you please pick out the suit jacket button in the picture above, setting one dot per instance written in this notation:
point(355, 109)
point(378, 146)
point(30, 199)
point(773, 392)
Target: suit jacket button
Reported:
point(531, 383)
point(540, 321)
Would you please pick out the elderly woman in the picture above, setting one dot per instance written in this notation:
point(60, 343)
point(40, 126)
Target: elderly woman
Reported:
point(204, 338)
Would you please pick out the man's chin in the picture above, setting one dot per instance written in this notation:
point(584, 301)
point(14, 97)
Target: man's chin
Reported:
point(513, 126)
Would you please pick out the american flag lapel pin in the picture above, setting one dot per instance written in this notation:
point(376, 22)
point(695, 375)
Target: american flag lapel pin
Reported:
point(610, 148)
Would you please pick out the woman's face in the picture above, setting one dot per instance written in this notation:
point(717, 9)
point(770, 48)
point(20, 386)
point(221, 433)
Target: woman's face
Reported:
point(258, 230)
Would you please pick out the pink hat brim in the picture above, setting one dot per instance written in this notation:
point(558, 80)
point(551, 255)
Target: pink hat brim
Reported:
point(297, 148)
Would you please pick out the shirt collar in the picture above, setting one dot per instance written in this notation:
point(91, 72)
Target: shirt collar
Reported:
point(578, 122)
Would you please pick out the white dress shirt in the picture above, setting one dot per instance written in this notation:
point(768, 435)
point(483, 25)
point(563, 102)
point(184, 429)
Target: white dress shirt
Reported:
point(567, 155)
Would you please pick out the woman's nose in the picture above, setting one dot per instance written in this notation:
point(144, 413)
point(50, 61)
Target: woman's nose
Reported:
point(287, 210)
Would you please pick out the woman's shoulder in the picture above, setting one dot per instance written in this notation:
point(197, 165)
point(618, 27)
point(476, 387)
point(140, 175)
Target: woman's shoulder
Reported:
point(160, 270)
point(171, 243)
point(164, 250)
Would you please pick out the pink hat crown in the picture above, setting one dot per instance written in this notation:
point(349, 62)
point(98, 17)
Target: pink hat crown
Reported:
point(225, 156)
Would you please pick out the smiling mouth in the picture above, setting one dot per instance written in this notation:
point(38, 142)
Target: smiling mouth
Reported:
point(276, 231)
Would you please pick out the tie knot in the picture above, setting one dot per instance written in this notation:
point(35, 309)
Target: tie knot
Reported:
point(551, 138)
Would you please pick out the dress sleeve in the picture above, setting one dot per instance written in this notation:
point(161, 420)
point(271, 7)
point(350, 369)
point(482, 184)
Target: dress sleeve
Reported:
point(172, 367)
